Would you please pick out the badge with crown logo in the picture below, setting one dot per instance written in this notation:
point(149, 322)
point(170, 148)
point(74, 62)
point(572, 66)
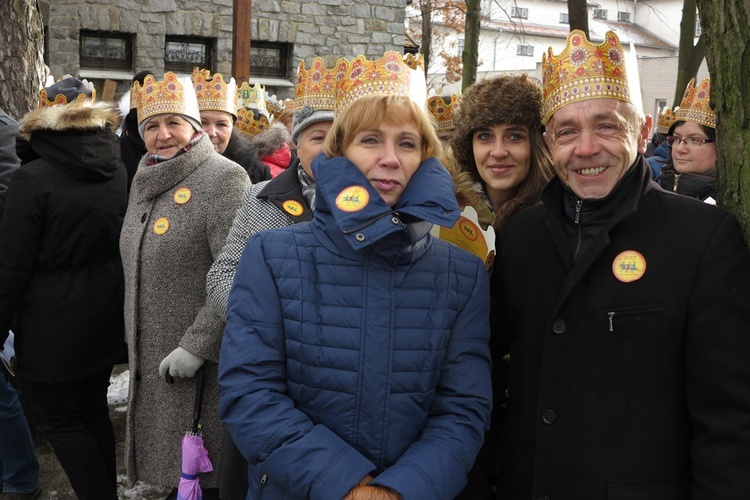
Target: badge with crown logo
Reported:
point(469, 235)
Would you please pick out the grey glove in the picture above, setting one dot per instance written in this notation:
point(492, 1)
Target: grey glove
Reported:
point(180, 363)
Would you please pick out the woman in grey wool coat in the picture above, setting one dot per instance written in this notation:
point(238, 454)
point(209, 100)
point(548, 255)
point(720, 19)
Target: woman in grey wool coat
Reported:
point(182, 203)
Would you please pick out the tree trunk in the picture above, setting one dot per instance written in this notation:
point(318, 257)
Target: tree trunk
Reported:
point(22, 70)
point(690, 56)
point(426, 9)
point(578, 16)
point(470, 54)
point(724, 25)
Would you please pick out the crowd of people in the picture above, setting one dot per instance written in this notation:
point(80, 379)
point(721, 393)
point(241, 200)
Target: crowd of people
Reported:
point(284, 281)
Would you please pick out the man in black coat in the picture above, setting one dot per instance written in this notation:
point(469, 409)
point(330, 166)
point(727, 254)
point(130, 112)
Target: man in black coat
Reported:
point(625, 311)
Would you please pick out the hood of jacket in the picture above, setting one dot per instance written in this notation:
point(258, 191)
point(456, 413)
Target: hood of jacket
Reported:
point(271, 139)
point(78, 138)
point(362, 218)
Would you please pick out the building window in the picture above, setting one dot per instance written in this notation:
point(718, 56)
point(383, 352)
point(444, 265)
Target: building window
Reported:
point(519, 12)
point(623, 16)
point(564, 18)
point(269, 59)
point(600, 13)
point(524, 50)
point(460, 47)
point(697, 27)
point(182, 54)
point(106, 50)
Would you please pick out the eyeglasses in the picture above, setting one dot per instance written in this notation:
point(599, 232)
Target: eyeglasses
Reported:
point(695, 142)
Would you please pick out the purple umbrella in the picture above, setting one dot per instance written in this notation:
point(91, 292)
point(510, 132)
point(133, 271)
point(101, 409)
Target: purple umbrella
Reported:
point(194, 455)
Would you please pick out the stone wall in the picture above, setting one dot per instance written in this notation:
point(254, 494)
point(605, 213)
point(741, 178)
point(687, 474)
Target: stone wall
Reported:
point(327, 28)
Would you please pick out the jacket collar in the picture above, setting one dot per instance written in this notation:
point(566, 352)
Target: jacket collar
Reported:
point(362, 217)
point(152, 180)
point(284, 188)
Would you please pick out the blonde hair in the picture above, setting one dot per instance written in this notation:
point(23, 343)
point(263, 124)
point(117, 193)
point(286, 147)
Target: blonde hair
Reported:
point(369, 112)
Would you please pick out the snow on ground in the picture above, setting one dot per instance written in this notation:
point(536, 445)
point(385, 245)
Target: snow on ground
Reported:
point(118, 389)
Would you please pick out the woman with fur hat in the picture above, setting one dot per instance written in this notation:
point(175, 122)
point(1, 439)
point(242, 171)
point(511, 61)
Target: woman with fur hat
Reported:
point(182, 202)
point(61, 279)
point(498, 140)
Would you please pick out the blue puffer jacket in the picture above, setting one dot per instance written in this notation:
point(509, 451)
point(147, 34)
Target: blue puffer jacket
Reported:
point(356, 343)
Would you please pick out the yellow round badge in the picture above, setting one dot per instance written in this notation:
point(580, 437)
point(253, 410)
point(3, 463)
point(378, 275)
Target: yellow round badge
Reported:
point(629, 266)
point(182, 196)
point(293, 208)
point(468, 229)
point(161, 225)
point(352, 199)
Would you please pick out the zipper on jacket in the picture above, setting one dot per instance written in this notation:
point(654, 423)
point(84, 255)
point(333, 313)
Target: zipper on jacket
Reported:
point(632, 312)
point(263, 479)
point(676, 181)
point(577, 222)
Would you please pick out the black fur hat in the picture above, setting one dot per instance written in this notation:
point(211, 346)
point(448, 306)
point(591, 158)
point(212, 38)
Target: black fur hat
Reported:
point(515, 99)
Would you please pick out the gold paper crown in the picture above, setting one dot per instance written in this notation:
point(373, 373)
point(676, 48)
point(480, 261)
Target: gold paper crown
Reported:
point(443, 111)
point(252, 97)
point(414, 61)
point(274, 106)
point(213, 93)
point(584, 71)
point(60, 99)
point(665, 120)
point(170, 95)
point(388, 75)
point(694, 106)
point(316, 87)
point(248, 126)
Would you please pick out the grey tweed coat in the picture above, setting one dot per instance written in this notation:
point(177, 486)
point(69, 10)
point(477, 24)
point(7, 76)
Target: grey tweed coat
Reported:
point(191, 200)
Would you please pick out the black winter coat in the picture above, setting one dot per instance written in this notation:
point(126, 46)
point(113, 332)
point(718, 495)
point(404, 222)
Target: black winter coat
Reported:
point(627, 390)
point(60, 270)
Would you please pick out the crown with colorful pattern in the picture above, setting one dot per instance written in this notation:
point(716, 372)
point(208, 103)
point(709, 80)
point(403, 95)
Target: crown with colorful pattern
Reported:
point(695, 107)
point(252, 97)
point(170, 95)
point(584, 71)
point(316, 87)
point(62, 98)
point(248, 126)
point(388, 75)
point(443, 105)
point(273, 105)
point(214, 93)
point(665, 120)
point(415, 61)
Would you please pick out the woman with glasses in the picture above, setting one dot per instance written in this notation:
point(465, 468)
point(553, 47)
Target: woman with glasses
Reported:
point(692, 137)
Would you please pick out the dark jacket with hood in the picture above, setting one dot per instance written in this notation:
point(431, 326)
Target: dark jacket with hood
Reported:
point(628, 363)
point(60, 271)
point(242, 152)
point(700, 187)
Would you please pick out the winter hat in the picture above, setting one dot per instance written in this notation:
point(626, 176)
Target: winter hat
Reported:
point(306, 116)
point(502, 99)
point(67, 90)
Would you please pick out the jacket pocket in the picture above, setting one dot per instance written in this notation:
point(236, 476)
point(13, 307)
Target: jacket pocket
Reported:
point(663, 488)
point(624, 316)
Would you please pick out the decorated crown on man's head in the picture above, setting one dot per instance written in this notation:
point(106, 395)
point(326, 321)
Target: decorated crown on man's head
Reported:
point(388, 75)
point(248, 126)
point(65, 91)
point(665, 120)
point(582, 71)
point(213, 92)
point(316, 87)
point(695, 107)
point(252, 97)
point(170, 95)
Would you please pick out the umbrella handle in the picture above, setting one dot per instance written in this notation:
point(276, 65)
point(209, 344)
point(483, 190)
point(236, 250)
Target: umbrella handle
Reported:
point(198, 400)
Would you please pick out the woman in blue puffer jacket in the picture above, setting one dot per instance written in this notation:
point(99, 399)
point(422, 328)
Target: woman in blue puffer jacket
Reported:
point(355, 360)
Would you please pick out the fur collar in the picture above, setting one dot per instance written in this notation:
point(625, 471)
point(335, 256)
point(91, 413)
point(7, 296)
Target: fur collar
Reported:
point(74, 116)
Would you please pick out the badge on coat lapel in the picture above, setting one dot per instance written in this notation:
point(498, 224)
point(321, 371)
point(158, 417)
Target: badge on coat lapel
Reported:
point(353, 199)
point(629, 266)
point(182, 195)
point(161, 225)
point(293, 208)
